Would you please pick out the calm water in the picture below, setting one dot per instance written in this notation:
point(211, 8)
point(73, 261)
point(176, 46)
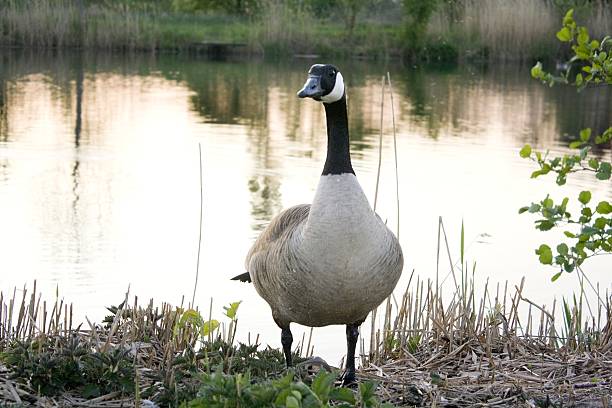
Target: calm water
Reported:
point(99, 179)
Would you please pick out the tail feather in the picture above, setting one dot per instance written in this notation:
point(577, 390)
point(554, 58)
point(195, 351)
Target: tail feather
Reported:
point(243, 277)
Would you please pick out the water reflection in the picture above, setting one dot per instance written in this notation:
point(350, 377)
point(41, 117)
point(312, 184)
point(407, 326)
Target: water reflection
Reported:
point(99, 182)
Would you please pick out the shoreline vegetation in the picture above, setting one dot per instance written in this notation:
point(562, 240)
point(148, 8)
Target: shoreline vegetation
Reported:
point(447, 31)
point(489, 348)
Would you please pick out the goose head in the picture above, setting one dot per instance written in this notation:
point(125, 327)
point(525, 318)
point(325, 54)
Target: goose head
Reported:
point(324, 84)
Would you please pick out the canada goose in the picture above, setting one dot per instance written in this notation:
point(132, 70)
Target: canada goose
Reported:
point(334, 261)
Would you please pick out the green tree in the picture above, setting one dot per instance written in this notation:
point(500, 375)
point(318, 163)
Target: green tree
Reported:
point(588, 233)
point(350, 9)
point(416, 17)
point(235, 7)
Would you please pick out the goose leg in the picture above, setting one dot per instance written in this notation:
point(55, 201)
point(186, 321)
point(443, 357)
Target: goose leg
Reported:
point(286, 340)
point(352, 334)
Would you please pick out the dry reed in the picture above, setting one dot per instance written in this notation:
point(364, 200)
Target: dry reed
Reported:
point(496, 348)
point(511, 29)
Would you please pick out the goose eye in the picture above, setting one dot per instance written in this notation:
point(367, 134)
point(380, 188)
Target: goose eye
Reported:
point(332, 73)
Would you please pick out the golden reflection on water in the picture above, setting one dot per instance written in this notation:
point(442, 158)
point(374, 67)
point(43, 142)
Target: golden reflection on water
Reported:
point(99, 183)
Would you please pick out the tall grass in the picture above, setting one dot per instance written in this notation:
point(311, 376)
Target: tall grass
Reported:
point(511, 29)
point(493, 29)
point(62, 23)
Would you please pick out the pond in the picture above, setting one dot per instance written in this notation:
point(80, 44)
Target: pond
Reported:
point(100, 182)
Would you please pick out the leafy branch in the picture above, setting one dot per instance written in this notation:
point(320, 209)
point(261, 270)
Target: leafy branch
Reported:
point(590, 231)
point(592, 57)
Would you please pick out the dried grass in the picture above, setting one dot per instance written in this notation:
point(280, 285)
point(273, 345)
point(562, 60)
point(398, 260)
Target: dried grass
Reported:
point(493, 349)
point(511, 29)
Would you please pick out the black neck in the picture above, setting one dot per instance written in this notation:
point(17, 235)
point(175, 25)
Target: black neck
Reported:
point(338, 153)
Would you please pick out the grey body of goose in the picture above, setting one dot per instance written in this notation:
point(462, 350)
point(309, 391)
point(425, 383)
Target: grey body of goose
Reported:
point(334, 261)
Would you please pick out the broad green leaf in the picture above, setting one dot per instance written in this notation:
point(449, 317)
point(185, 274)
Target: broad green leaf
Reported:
point(230, 311)
point(584, 197)
point(601, 222)
point(547, 203)
point(191, 316)
point(569, 17)
point(585, 134)
point(556, 276)
point(594, 163)
point(583, 35)
point(209, 327)
point(342, 394)
point(366, 390)
point(562, 249)
point(297, 395)
point(576, 144)
point(604, 207)
point(525, 151)
point(564, 204)
point(322, 384)
point(579, 79)
point(545, 254)
point(564, 34)
point(292, 402)
point(536, 70)
point(605, 169)
point(545, 225)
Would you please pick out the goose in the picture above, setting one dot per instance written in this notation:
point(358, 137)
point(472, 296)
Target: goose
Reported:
point(335, 260)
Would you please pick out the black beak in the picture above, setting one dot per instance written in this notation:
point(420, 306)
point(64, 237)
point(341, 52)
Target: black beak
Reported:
point(312, 88)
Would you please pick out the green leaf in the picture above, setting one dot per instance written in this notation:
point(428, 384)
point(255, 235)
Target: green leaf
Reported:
point(525, 151)
point(556, 276)
point(209, 327)
point(523, 209)
point(605, 169)
point(342, 394)
point(322, 384)
point(584, 197)
point(585, 134)
point(90, 391)
point(544, 225)
point(366, 390)
point(576, 144)
point(601, 223)
point(564, 34)
point(568, 19)
point(583, 35)
point(292, 402)
point(594, 163)
point(562, 249)
point(534, 208)
point(547, 203)
point(536, 71)
point(579, 79)
point(604, 207)
point(230, 311)
point(545, 254)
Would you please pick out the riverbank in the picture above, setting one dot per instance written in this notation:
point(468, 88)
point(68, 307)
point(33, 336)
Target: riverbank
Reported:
point(471, 350)
point(464, 30)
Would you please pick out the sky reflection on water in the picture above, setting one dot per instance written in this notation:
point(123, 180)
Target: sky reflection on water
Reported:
point(99, 183)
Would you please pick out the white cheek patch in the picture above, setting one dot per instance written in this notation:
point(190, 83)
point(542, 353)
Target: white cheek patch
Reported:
point(336, 93)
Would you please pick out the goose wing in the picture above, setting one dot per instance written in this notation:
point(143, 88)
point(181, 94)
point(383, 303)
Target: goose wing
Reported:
point(272, 238)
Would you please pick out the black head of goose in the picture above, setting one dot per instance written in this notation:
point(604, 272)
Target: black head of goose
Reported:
point(333, 261)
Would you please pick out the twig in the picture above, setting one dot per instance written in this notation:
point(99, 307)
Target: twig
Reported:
point(395, 153)
point(195, 286)
point(382, 103)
